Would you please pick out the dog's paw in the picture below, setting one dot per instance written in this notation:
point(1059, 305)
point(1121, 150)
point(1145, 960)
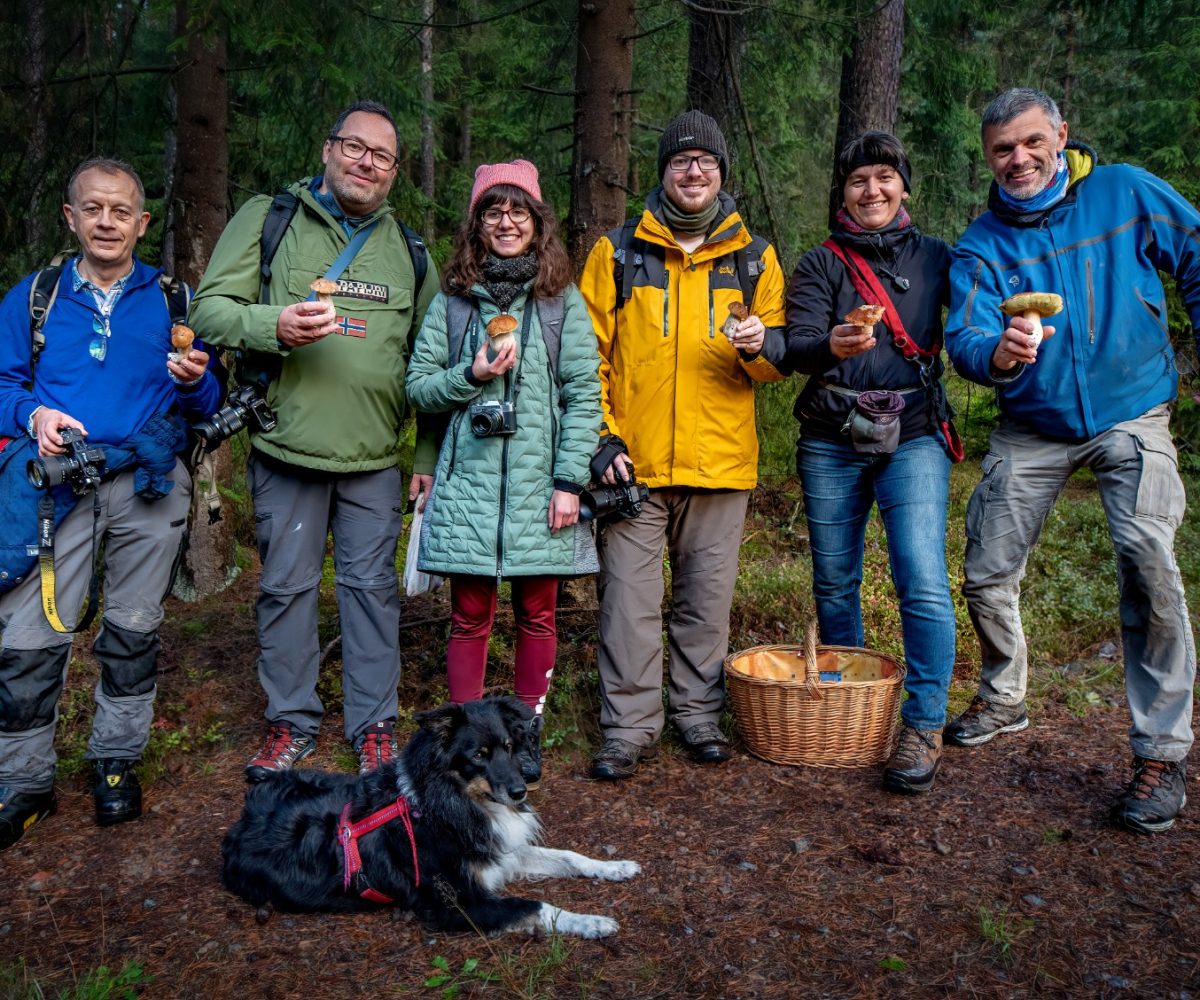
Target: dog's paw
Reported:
point(619, 871)
point(584, 925)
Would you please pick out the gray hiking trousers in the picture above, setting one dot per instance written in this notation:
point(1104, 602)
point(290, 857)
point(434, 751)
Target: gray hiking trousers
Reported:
point(702, 533)
point(142, 541)
point(295, 509)
point(1136, 470)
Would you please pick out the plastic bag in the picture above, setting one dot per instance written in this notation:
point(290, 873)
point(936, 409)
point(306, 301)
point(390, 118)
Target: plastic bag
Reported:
point(416, 582)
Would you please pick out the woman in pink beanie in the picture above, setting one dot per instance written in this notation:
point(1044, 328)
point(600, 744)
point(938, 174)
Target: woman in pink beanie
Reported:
point(524, 420)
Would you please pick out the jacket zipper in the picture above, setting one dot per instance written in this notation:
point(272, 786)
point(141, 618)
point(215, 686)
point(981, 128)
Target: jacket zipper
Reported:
point(971, 295)
point(712, 326)
point(1091, 301)
point(666, 302)
point(503, 504)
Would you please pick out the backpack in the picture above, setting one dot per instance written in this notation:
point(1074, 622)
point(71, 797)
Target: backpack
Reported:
point(459, 310)
point(279, 216)
point(44, 292)
point(747, 261)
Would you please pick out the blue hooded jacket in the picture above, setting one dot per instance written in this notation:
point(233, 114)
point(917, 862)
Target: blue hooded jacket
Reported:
point(1100, 248)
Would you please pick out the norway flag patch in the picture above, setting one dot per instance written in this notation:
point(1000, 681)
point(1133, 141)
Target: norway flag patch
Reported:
point(348, 326)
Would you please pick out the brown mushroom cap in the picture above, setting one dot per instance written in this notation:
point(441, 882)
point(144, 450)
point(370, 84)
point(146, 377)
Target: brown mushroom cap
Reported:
point(1042, 303)
point(739, 311)
point(864, 315)
point(323, 287)
point(498, 326)
point(182, 337)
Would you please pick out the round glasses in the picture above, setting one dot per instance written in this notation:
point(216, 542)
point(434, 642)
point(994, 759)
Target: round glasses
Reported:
point(682, 163)
point(492, 216)
point(354, 149)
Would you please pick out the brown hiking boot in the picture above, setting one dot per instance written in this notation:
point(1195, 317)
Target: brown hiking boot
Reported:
point(1154, 797)
point(914, 765)
point(618, 759)
point(282, 750)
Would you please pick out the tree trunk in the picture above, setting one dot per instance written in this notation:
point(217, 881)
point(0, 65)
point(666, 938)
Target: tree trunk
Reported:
point(34, 73)
point(716, 37)
point(427, 151)
point(196, 216)
point(603, 118)
point(870, 79)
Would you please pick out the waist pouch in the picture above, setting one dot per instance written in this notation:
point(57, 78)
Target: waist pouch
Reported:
point(874, 422)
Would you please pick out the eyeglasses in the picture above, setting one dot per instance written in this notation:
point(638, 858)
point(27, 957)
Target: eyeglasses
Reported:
point(683, 163)
point(101, 331)
point(354, 149)
point(492, 216)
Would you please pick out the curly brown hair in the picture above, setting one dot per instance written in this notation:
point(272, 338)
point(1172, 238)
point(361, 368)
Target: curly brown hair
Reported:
point(470, 251)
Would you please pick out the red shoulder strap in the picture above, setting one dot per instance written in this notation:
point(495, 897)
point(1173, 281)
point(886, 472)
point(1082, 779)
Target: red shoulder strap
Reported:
point(867, 284)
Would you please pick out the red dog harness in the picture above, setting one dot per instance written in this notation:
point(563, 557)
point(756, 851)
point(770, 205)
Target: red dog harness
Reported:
point(348, 834)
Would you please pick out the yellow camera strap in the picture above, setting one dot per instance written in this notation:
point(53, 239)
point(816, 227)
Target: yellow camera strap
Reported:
point(46, 566)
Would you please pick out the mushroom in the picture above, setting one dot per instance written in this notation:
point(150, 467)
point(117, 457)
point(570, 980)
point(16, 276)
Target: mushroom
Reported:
point(501, 330)
point(737, 312)
point(324, 288)
point(1033, 306)
point(181, 339)
point(865, 317)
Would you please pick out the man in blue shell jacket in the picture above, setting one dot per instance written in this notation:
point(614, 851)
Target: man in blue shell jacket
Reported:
point(1096, 394)
point(104, 371)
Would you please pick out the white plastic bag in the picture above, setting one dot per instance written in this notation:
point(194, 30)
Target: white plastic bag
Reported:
point(416, 582)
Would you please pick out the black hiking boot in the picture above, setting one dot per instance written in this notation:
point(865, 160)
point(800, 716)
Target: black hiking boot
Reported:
point(619, 758)
point(706, 743)
point(984, 721)
point(529, 754)
point(1154, 797)
point(116, 790)
point(21, 811)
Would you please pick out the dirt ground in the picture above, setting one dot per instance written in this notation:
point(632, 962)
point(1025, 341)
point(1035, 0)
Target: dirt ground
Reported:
point(758, 880)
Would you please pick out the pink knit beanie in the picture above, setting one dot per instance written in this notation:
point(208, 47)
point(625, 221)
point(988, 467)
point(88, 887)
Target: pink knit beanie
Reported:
point(520, 174)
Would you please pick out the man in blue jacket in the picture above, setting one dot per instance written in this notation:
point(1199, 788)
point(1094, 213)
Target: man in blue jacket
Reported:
point(1095, 393)
point(104, 373)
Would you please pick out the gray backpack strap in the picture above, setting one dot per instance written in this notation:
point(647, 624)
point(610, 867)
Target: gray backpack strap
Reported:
point(459, 310)
point(550, 318)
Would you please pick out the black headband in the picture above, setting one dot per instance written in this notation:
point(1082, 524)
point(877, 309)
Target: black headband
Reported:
point(862, 160)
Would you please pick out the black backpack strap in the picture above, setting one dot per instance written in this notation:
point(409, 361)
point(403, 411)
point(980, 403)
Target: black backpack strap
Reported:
point(177, 295)
point(419, 255)
point(279, 217)
point(749, 264)
point(550, 319)
point(627, 245)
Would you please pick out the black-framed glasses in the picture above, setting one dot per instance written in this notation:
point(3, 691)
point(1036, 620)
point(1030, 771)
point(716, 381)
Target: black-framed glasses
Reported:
point(492, 216)
point(356, 149)
point(683, 163)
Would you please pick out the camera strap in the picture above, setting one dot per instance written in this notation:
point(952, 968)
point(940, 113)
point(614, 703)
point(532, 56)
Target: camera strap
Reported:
point(46, 566)
point(513, 388)
point(348, 254)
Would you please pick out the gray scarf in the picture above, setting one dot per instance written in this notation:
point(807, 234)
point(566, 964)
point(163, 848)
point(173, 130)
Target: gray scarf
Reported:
point(686, 223)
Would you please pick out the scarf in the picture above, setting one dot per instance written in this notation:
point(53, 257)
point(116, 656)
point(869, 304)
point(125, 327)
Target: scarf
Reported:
point(664, 209)
point(900, 220)
point(506, 277)
point(1052, 194)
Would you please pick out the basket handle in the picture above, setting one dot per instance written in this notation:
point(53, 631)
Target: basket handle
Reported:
point(812, 675)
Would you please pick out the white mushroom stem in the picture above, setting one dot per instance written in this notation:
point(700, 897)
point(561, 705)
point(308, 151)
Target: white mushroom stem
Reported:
point(1035, 318)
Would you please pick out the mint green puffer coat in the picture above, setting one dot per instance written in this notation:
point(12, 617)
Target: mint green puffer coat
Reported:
point(487, 514)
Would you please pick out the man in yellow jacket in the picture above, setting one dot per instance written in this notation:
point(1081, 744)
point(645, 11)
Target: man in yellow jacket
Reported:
point(677, 374)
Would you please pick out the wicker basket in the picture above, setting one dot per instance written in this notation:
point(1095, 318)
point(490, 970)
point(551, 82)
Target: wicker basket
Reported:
point(825, 706)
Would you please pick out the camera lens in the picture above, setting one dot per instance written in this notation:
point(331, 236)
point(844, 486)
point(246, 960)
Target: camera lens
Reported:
point(37, 473)
point(485, 423)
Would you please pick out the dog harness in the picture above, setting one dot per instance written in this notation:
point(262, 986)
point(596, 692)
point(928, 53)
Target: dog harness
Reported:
point(353, 877)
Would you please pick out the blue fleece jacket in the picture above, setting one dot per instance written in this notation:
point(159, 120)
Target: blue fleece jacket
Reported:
point(1100, 248)
point(113, 398)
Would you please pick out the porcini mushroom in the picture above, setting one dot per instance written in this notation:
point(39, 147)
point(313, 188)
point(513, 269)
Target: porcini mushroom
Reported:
point(501, 330)
point(324, 288)
point(865, 317)
point(181, 339)
point(1033, 306)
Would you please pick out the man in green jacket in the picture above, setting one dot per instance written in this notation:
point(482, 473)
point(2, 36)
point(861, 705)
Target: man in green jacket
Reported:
point(333, 372)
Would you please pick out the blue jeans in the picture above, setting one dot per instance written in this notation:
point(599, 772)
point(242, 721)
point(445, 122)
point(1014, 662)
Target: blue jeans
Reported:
point(912, 488)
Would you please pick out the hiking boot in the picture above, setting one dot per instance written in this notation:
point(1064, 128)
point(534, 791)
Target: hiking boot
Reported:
point(21, 810)
point(914, 765)
point(282, 751)
point(529, 755)
point(619, 759)
point(116, 790)
point(376, 749)
point(985, 720)
point(706, 743)
point(1154, 797)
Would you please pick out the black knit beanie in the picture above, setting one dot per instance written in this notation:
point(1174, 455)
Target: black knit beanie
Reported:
point(692, 130)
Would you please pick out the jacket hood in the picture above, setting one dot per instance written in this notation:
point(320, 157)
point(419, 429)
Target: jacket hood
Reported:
point(1081, 160)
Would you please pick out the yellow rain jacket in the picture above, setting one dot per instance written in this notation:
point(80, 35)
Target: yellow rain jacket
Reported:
point(672, 386)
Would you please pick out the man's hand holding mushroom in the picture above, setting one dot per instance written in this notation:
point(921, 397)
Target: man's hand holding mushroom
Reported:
point(1021, 338)
point(305, 323)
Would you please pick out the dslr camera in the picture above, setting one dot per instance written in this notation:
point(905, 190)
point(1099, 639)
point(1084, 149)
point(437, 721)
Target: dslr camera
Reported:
point(244, 407)
point(493, 418)
point(616, 502)
point(79, 467)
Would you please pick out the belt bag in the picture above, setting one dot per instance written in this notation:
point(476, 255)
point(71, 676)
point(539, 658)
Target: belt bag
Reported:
point(874, 422)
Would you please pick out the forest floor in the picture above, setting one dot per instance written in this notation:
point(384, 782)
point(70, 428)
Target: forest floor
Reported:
point(757, 880)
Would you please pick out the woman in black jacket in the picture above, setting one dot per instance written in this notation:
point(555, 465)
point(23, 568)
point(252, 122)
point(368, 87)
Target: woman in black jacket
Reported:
point(855, 452)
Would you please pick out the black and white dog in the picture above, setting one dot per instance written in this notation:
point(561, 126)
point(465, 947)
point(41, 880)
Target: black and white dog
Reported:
point(439, 831)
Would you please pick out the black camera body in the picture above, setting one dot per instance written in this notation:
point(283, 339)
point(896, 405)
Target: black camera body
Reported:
point(613, 502)
point(493, 418)
point(244, 407)
point(79, 467)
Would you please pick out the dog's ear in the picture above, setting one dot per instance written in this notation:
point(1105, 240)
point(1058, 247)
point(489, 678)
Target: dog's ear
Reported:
point(442, 721)
point(513, 709)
